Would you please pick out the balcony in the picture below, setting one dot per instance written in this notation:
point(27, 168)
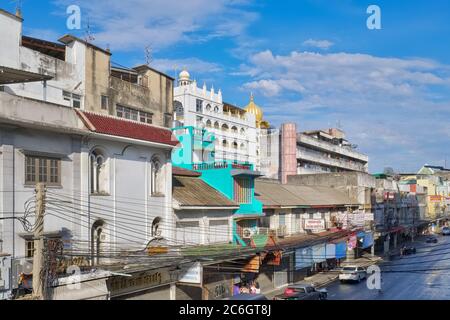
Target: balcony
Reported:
point(222, 165)
point(318, 157)
point(345, 151)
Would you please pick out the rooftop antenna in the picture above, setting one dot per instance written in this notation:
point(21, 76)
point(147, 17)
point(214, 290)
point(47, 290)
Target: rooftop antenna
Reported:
point(89, 37)
point(148, 55)
point(18, 8)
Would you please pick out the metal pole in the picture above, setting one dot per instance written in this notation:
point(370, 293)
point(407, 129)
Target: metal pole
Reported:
point(38, 258)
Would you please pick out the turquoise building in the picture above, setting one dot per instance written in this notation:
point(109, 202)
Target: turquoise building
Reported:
point(236, 180)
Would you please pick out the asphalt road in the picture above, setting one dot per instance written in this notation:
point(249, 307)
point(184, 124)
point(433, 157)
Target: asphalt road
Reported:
point(415, 282)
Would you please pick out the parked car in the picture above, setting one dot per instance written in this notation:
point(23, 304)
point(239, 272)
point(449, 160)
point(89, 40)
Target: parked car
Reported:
point(303, 292)
point(432, 240)
point(446, 231)
point(352, 273)
point(247, 296)
point(406, 251)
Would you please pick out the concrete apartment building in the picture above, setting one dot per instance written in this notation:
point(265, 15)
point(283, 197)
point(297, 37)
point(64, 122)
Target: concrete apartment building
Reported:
point(95, 136)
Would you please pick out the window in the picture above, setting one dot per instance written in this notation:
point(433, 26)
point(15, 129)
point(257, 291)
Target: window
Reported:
point(42, 169)
point(216, 125)
point(74, 99)
point(99, 173)
point(282, 219)
point(105, 102)
point(156, 178)
point(225, 127)
point(234, 129)
point(242, 190)
point(199, 106)
point(29, 248)
point(133, 114)
point(208, 107)
point(97, 238)
point(167, 120)
point(208, 124)
point(216, 109)
point(235, 145)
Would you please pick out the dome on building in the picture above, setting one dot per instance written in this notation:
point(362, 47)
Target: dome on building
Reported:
point(253, 108)
point(184, 75)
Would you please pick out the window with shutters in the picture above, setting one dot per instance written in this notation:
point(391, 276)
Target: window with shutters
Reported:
point(42, 169)
point(243, 190)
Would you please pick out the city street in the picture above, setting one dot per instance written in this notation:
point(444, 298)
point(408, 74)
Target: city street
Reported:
point(417, 283)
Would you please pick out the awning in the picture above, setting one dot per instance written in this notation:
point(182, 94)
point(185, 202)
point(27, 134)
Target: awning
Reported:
point(10, 76)
point(368, 240)
point(330, 251)
point(245, 172)
point(303, 258)
point(341, 250)
point(319, 253)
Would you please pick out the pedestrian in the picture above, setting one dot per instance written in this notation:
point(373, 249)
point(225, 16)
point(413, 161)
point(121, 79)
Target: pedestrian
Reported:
point(258, 288)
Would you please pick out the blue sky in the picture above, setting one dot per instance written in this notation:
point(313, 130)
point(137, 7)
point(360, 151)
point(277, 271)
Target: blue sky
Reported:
point(313, 62)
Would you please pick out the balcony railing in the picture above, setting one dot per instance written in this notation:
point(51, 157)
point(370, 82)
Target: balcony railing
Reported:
point(221, 165)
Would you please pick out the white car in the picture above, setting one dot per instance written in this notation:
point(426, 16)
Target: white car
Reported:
point(352, 273)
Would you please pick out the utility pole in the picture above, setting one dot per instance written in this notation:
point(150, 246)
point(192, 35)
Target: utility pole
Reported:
point(38, 258)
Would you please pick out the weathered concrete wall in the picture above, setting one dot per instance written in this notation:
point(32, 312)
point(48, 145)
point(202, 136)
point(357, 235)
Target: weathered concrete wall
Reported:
point(288, 151)
point(97, 67)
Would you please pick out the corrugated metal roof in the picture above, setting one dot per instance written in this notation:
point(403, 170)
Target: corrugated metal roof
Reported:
point(194, 192)
point(274, 194)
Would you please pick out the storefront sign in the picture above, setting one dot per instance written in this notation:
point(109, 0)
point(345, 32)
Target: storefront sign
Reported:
point(314, 225)
point(435, 198)
point(140, 281)
point(193, 274)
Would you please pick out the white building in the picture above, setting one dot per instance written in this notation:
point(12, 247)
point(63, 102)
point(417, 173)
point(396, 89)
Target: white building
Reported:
point(234, 128)
point(108, 179)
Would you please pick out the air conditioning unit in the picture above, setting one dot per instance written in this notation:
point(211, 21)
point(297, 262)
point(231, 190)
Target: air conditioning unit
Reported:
point(247, 233)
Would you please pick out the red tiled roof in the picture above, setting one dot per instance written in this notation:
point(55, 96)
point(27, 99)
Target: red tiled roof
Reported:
point(177, 171)
point(125, 128)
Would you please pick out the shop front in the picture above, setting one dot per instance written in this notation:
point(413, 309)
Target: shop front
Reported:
point(157, 284)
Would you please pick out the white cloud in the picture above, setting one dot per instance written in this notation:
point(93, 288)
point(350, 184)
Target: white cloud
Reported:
point(320, 44)
point(127, 25)
point(395, 109)
point(194, 65)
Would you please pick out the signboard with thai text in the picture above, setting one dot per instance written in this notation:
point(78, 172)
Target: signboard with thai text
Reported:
point(314, 224)
point(192, 274)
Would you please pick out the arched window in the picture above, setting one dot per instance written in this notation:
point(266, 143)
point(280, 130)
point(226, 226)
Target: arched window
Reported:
point(216, 125)
point(216, 109)
point(157, 178)
point(225, 143)
point(178, 110)
point(225, 127)
point(97, 238)
point(208, 107)
point(235, 145)
point(208, 124)
point(242, 146)
point(156, 227)
point(234, 129)
point(99, 172)
point(242, 131)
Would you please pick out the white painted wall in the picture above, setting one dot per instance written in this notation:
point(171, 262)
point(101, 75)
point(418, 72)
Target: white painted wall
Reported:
point(68, 75)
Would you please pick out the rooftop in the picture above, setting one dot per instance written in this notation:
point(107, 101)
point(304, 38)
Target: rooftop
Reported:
point(109, 125)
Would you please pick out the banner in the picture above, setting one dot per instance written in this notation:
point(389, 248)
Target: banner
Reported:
point(319, 253)
point(303, 258)
point(341, 250)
